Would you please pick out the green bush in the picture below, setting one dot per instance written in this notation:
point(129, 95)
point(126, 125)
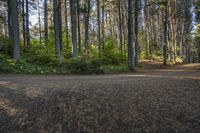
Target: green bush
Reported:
point(78, 65)
point(4, 45)
point(95, 67)
point(41, 54)
point(116, 69)
point(111, 55)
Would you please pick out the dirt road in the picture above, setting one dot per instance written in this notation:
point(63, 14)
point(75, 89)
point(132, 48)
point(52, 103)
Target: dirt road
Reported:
point(157, 99)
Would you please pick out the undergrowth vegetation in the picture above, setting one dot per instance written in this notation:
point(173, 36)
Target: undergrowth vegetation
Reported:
point(41, 59)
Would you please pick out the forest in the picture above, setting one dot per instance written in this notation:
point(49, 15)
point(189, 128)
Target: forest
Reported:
point(99, 66)
point(94, 36)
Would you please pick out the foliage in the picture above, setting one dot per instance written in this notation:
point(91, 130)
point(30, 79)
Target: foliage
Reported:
point(80, 65)
point(95, 67)
point(116, 69)
point(40, 54)
point(110, 54)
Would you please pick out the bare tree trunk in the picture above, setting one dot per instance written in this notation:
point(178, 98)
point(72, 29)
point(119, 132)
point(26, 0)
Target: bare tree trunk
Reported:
point(131, 61)
point(27, 25)
point(120, 27)
point(46, 22)
point(165, 36)
point(87, 19)
point(14, 27)
point(99, 26)
point(66, 24)
point(23, 23)
point(136, 34)
point(102, 22)
point(39, 22)
point(79, 30)
point(73, 26)
point(56, 27)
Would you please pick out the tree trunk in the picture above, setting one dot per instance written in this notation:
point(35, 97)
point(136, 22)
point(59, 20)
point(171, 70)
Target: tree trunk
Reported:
point(120, 27)
point(79, 30)
point(39, 22)
point(87, 8)
point(46, 27)
point(56, 27)
point(27, 25)
point(23, 23)
point(14, 28)
point(66, 24)
point(136, 34)
point(73, 26)
point(165, 36)
point(99, 26)
point(102, 22)
point(131, 61)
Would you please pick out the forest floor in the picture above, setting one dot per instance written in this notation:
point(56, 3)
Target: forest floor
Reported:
point(156, 99)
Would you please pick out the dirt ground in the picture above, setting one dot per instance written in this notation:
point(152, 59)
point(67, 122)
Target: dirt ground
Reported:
point(156, 100)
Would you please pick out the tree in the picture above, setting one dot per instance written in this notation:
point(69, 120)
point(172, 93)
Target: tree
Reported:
point(27, 25)
point(120, 26)
point(165, 33)
point(197, 32)
point(57, 27)
point(87, 20)
point(46, 21)
point(99, 26)
point(79, 26)
point(14, 27)
point(66, 24)
point(23, 22)
point(73, 7)
point(136, 34)
point(131, 61)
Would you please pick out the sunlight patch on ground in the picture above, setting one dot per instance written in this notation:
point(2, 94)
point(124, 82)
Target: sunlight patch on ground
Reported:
point(168, 70)
point(163, 76)
point(33, 92)
point(9, 85)
point(8, 107)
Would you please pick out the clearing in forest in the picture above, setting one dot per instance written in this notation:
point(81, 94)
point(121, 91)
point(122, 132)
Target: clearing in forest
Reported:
point(157, 99)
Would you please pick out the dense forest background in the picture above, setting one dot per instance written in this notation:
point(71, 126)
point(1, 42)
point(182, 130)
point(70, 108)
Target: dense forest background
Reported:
point(96, 36)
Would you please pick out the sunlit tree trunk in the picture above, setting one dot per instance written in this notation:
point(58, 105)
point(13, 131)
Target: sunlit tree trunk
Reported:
point(66, 24)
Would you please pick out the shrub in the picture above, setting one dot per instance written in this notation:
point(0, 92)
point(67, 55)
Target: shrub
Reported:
point(41, 54)
point(111, 55)
point(95, 67)
point(78, 65)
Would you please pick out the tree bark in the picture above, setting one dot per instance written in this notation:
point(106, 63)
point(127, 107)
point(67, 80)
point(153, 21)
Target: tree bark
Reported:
point(87, 19)
point(27, 25)
point(14, 27)
point(56, 27)
point(99, 26)
point(136, 34)
point(131, 61)
point(66, 24)
point(79, 27)
point(165, 36)
point(46, 27)
point(73, 26)
point(120, 27)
